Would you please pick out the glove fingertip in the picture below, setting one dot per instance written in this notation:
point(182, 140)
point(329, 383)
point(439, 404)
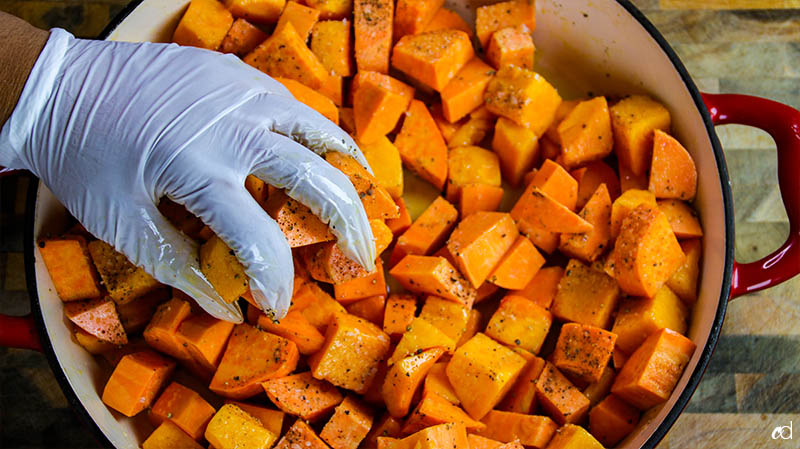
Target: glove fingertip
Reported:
point(274, 301)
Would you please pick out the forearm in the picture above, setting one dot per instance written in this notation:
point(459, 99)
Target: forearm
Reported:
point(21, 46)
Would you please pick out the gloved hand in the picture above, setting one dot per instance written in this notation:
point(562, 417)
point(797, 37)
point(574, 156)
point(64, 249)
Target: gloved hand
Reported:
point(110, 128)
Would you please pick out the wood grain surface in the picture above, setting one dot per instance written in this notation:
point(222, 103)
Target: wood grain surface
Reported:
point(752, 385)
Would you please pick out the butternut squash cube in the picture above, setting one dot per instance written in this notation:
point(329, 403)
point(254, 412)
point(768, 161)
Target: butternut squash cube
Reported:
point(233, 428)
point(612, 420)
point(421, 145)
point(311, 98)
point(491, 18)
point(300, 16)
point(436, 382)
point(136, 380)
point(464, 93)
point(420, 335)
point(286, 45)
point(682, 218)
point(332, 9)
point(433, 58)
point(450, 317)
point(638, 318)
point(684, 281)
point(170, 436)
point(517, 147)
point(433, 410)
point(520, 323)
point(511, 46)
point(223, 270)
point(301, 435)
point(543, 287)
point(399, 313)
point(205, 337)
point(585, 296)
point(633, 120)
point(404, 378)
point(70, 268)
point(433, 276)
point(435, 437)
point(559, 397)
point(583, 351)
point(585, 133)
point(479, 242)
point(331, 42)
point(479, 197)
point(384, 159)
point(349, 425)
point(378, 102)
point(376, 200)
point(447, 19)
point(428, 231)
point(518, 266)
point(242, 38)
point(162, 331)
point(412, 16)
point(256, 11)
point(320, 396)
point(372, 20)
point(123, 280)
point(626, 202)
point(573, 437)
point(204, 24)
point(471, 165)
point(530, 430)
point(183, 407)
point(300, 226)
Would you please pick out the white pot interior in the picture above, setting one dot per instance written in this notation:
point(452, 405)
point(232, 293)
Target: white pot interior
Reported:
point(582, 46)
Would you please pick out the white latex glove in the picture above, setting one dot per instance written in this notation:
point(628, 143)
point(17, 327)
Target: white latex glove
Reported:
point(112, 127)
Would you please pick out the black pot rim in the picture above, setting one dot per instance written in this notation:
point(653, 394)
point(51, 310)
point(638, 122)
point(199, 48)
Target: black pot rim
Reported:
point(696, 375)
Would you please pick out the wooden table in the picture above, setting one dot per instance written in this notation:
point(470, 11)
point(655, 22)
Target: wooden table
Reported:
point(753, 382)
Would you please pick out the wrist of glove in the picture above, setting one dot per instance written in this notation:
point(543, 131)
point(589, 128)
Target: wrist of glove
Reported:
point(113, 127)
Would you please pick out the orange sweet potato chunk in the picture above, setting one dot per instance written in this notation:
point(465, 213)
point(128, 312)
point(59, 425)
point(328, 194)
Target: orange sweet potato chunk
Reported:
point(491, 18)
point(371, 309)
point(373, 284)
point(300, 226)
point(348, 426)
point(256, 11)
point(311, 98)
point(573, 437)
point(646, 253)
point(251, 357)
point(378, 102)
point(626, 202)
point(272, 420)
point(542, 211)
point(162, 332)
point(433, 276)
point(684, 281)
point(373, 23)
point(530, 430)
point(422, 147)
point(123, 280)
point(331, 41)
point(638, 318)
point(682, 218)
point(433, 410)
point(242, 38)
point(447, 19)
point(351, 354)
point(136, 380)
point(517, 147)
point(327, 263)
point(204, 24)
point(464, 93)
point(471, 165)
point(436, 382)
point(97, 317)
point(300, 16)
point(653, 370)
point(672, 171)
point(332, 9)
point(302, 395)
point(522, 397)
point(585, 296)
point(523, 96)
point(412, 16)
point(583, 351)
point(301, 435)
point(559, 397)
point(184, 407)
point(518, 266)
point(399, 313)
point(591, 245)
point(286, 55)
point(169, 436)
point(589, 179)
point(511, 46)
point(376, 200)
point(433, 58)
point(295, 327)
point(555, 181)
point(629, 180)
point(585, 133)
point(520, 323)
point(479, 242)
point(612, 420)
point(479, 197)
point(404, 378)
point(543, 287)
point(633, 121)
point(428, 232)
point(205, 337)
point(70, 268)
point(400, 224)
point(387, 426)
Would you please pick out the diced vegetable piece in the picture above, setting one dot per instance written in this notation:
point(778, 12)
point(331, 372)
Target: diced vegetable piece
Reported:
point(223, 270)
point(421, 145)
point(433, 58)
point(479, 442)
point(543, 211)
point(559, 397)
point(472, 132)
point(684, 281)
point(301, 435)
point(272, 420)
point(626, 202)
point(445, 127)
point(646, 253)
point(233, 428)
point(639, 318)
point(399, 313)
point(183, 407)
point(162, 332)
point(400, 224)
point(464, 93)
point(591, 245)
point(531, 430)
point(471, 165)
point(433, 410)
point(378, 102)
point(123, 280)
point(420, 335)
point(371, 309)
point(518, 266)
point(256, 11)
point(511, 46)
point(136, 380)
point(446, 19)
point(479, 242)
point(317, 306)
point(384, 158)
point(672, 171)
point(520, 323)
point(376, 200)
point(522, 396)
point(522, 96)
point(598, 390)
point(633, 120)
point(412, 16)
point(585, 133)
point(612, 420)
point(583, 351)
point(491, 18)
point(251, 357)
point(70, 268)
point(311, 97)
point(563, 110)
point(99, 318)
point(474, 322)
point(619, 358)
point(169, 436)
point(429, 231)
point(573, 437)
point(387, 426)
point(517, 147)
point(353, 349)
point(300, 16)
point(331, 42)
point(450, 317)
point(653, 370)
point(436, 382)
point(349, 425)
point(286, 44)
point(327, 263)
point(435, 437)
point(404, 378)
point(204, 337)
point(481, 373)
point(433, 276)
point(90, 343)
point(589, 179)
point(373, 284)
point(682, 218)
point(135, 315)
point(242, 38)
point(373, 21)
point(204, 24)
point(295, 327)
point(585, 296)
point(302, 395)
point(479, 197)
point(332, 9)
point(543, 287)
point(300, 226)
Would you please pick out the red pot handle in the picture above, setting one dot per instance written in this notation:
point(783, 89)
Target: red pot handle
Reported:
point(19, 332)
point(783, 124)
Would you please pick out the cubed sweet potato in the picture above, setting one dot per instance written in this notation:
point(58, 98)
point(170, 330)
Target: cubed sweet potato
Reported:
point(123, 280)
point(412, 16)
point(479, 242)
point(387, 426)
point(583, 351)
point(332, 9)
point(684, 281)
point(428, 232)
point(223, 270)
point(522, 396)
point(99, 318)
point(472, 132)
point(349, 425)
point(204, 337)
point(332, 43)
point(450, 317)
point(373, 22)
point(433, 58)
point(370, 309)
point(434, 437)
point(471, 165)
point(589, 179)
point(638, 318)
point(591, 245)
point(405, 377)
point(400, 224)
point(433, 276)
point(585, 133)
point(204, 24)
point(436, 382)
point(420, 335)
point(376, 200)
point(399, 313)
point(447, 19)
point(559, 397)
point(183, 407)
point(672, 170)
point(302, 395)
point(162, 331)
point(464, 93)
point(612, 420)
point(256, 11)
point(433, 410)
point(169, 436)
point(626, 202)
point(300, 16)
point(597, 391)
point(384, 158)
point(517, 147)
point(295, 327)
point(378, 102)
point(272, 420)
point(135, 382)
point(327, 263)
point(573, 437)
point(511, 46)
point(522, 96)
point(479, 442)
point(233, 428)
point(634, 119)
point(479, 197)
point(70, 268)
point(422, 147)
point(541, 210)
point(518, 266)
point(316, 305)
point(242, 38)
point(300, 226)
point(491, 18)
point(543, 287)
point(519, 322)
point(555, 181)
point(311, 97)
point(682, 218)
point(530, 430)
point(286, 45)
point(585, 296)
point(373, 284)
